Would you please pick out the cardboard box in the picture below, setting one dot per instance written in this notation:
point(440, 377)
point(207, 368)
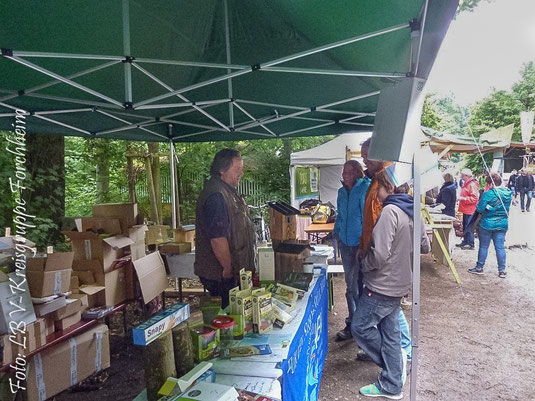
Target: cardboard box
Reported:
point(173, 248)
point(46, 283)
point(83, 300)
point(24, 342)
point(60, 367)
point(266, 265)
point(99, 225)
point(6, 354)
point(50, 262)
point(67, 321)
point(114, 284)
point(157, 235)
point(49, 325)
point(40, 331)
point(49, 307)
point(72, 306)
point(232, 299)
point(20, 297)
point(185, 234)
point(289, 257)
point(160, 324)
point(137, 234)
point(151, 274)
point(244, 306)
point(91, 246)
point(85, 277)
point(126, 213)
point(96, 295)
point(75, 283)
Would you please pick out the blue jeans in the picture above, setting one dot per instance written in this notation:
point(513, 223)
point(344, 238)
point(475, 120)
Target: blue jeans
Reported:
point(523, 194)
point(376, 330)
point(498, 237)
point(468, 238)
point(351, 273)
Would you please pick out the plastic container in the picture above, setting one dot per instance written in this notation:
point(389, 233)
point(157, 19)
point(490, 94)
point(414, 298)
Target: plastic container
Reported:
point(225, 324)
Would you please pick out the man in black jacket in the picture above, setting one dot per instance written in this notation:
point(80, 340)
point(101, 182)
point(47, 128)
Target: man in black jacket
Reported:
point(525, 185)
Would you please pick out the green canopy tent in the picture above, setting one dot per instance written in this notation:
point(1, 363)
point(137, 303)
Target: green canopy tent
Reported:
point(175, 70)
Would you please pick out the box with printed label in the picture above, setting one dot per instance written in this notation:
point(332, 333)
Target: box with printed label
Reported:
point(50, 262)
point(46, 283)
point(244, 306)
point(160, 324)
point(62, 366)
point(205, 340)
point(204, 391)
point(246, 279)
point(262, 321)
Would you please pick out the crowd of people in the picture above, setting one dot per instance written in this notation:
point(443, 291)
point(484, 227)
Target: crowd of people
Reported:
point(374, 230)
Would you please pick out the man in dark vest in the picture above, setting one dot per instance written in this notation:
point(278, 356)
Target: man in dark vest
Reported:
point(224, 236)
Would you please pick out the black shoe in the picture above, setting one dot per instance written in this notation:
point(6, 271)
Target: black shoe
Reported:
point(476, 270)
point(502, 274)
point(467, 247)
point(362, 356)
point(460, 245)
point(344, 335)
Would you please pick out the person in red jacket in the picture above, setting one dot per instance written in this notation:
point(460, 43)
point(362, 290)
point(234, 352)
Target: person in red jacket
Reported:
point(467, 205)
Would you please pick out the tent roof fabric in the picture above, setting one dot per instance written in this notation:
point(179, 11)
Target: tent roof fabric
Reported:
point(496, 139)
point(212, 70)
point(332, 153)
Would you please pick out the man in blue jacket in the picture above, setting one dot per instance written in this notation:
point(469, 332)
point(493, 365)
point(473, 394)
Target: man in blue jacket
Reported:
point(347, 230)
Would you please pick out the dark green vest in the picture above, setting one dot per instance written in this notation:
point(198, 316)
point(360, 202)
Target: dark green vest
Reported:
point(242, 238)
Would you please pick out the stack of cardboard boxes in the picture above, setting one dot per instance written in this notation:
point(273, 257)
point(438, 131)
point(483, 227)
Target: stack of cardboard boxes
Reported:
point(98, 245)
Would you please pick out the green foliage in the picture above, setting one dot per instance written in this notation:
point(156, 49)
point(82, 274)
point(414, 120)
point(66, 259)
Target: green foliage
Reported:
point(469, 5)
point(524, 90)
point(430, 116)
point(498, 109)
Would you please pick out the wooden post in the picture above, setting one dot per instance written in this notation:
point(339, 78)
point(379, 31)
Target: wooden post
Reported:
point(152, 193)
point(159, 364)
point(183, 348)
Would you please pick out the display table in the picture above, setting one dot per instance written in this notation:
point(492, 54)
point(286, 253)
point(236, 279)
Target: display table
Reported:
point(317, 231)
point(298, 349)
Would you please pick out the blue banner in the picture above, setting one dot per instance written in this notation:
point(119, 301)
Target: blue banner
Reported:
point(304, 366)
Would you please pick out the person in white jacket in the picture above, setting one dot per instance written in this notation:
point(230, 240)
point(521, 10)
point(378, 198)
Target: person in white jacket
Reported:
point(387, 277)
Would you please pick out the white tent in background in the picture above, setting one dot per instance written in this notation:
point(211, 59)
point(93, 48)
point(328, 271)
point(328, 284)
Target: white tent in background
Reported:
point(329, 158)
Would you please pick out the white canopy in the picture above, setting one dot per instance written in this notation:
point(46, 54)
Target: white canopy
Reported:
point(329, 158)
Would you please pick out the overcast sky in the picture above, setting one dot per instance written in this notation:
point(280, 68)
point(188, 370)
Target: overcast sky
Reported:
point(483, 49)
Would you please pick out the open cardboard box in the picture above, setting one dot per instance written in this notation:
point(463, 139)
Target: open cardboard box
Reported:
point(151, 274)
point(93, 279)
point(126, 213)
point(137, 234)
point(50, 262)
point(91, 246)
point(99, 224)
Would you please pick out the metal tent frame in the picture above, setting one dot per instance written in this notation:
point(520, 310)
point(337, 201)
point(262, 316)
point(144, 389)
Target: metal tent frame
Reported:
point(190, 112)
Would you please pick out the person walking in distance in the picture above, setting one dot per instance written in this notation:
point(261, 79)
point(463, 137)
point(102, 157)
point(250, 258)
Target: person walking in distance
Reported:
point(525, 184)
point(467, 205)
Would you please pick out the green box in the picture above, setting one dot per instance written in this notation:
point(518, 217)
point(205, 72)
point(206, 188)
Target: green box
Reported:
point(205, 343)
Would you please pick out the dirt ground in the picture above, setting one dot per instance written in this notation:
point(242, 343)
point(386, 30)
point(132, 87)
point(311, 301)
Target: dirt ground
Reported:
point(476, 339)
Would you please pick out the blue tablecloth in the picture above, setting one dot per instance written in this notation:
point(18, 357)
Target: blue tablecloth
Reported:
point(303, 368)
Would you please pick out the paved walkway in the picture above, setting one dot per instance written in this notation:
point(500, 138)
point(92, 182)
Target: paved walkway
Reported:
point(521, 227)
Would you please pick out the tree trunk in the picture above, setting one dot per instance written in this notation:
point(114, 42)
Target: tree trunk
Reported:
point(159, 363)
point(131, 176)
point(156, 177)
point(152, 193)
point(102, 171)
point(183, 348)
point(46, 167)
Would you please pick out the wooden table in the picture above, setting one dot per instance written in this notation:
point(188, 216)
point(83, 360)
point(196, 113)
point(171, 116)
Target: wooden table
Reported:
point(317, 231)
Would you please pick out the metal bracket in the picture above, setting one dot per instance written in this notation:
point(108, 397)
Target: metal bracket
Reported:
point(7, 52)
point(414, 24)
point(255, 67)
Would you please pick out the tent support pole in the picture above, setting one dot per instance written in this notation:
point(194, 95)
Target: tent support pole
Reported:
point(173, 178)
point(422, 28)
point(415, 337)
point(126, 48)
point(229, 82)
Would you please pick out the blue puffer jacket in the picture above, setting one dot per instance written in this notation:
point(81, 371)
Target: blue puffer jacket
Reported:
point(350, 207)
point(494, 215)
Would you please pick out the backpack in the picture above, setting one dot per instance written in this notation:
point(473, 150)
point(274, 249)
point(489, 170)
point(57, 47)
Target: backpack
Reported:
point(323, 213)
